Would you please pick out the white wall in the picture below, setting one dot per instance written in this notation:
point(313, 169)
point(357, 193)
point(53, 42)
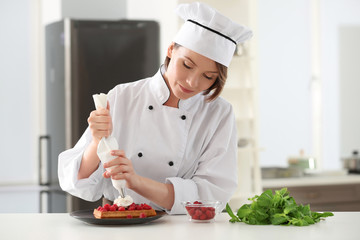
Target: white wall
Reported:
point(341, 132)
point(93, 9)
point(50, 11)
point(18, 83)
point(285, 74)
point(158, 10)
point(284, 79)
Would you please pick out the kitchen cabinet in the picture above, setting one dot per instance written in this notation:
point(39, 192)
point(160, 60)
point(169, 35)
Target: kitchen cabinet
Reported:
point(340, 193)
point(345, 197)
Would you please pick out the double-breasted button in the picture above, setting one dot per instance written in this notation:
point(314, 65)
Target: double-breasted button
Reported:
point(183, 117)
point(140, 154)
point(171, 163)
point(151, 107)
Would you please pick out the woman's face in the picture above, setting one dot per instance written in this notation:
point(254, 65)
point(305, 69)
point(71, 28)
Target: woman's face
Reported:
point(188, 72)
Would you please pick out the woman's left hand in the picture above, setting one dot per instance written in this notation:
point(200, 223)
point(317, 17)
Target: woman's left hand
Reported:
point(122, 169)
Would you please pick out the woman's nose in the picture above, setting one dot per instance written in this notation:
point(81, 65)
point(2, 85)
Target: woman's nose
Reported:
point(192, 81)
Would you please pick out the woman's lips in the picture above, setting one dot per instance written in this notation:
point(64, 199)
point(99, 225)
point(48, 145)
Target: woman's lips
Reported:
point(185, 90)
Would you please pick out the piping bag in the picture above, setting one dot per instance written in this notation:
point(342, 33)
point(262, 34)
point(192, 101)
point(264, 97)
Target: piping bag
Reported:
point(105, 146)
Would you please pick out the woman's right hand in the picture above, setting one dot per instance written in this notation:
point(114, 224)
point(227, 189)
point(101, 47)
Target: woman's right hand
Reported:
point(100, 123)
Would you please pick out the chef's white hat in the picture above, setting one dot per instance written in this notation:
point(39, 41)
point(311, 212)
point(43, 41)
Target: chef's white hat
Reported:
point(209, 33)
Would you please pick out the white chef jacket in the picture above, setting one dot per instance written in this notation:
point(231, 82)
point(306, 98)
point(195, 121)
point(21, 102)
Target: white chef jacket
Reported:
point(193, 147)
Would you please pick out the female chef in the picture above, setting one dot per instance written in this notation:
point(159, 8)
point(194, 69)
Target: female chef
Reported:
point(177, 136)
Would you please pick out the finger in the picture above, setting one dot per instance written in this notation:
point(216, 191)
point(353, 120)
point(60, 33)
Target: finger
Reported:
point(106, 175)
point(122, 176)
point(94, 118)
point(115, 162)
point(108, 105)
point(120, 153)
point(119, 169)
point(102, 119)
point(100, 126)
point(92, 113)
point(113, 174)
point(102, 111)
point(99, 133)
point(119, 177)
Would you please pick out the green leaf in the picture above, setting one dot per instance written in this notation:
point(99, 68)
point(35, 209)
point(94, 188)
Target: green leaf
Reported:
point(253, 198)
point(256, 221)
point(305, 210)
point(326, 214)
point(278, 219)
point(309, 220)
point(290, 202)
point(290, 208)
point(244, 211)
point(261, 214)
point(265, 199)
point(282, 192)
point(234, 218)
point(278, 209)
point(317, 216)
point(299, 222)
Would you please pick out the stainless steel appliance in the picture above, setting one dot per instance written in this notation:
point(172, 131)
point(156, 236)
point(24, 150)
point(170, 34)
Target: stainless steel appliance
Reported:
point(352, 163)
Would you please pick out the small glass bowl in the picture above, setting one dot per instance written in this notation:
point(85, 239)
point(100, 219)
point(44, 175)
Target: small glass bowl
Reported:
point(201, 210)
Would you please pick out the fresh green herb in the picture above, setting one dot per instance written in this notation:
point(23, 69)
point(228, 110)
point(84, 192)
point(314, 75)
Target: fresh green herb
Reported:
point(276, 209)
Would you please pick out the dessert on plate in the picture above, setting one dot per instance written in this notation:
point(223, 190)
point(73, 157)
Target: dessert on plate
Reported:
point(124, 208)
point(132, 211)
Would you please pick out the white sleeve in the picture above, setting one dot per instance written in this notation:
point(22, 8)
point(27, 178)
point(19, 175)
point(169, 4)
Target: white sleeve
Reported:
point(90, 188)
point(216, 175)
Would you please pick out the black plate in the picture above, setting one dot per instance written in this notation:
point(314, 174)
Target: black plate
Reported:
point(88, 217)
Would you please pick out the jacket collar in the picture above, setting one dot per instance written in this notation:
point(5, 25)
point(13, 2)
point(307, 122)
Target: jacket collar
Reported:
point(161, 91)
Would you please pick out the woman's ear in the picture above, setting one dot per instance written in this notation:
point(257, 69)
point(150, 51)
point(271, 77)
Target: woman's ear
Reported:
point(170, 50)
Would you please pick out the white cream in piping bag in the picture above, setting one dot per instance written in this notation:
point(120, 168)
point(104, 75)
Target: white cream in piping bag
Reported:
point(104, 152)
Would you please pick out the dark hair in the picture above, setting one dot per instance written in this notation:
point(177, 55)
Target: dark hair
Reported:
point(219, 83)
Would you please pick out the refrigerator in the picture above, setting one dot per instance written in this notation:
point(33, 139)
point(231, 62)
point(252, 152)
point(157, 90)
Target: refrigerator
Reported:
point(82, 58)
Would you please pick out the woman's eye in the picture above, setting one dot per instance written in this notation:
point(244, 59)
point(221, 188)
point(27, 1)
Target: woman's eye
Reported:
point(188, 67)
point(207, 77)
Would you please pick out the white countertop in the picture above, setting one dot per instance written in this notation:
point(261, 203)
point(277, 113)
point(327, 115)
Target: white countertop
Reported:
point(311, 181)
point(344, 225)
